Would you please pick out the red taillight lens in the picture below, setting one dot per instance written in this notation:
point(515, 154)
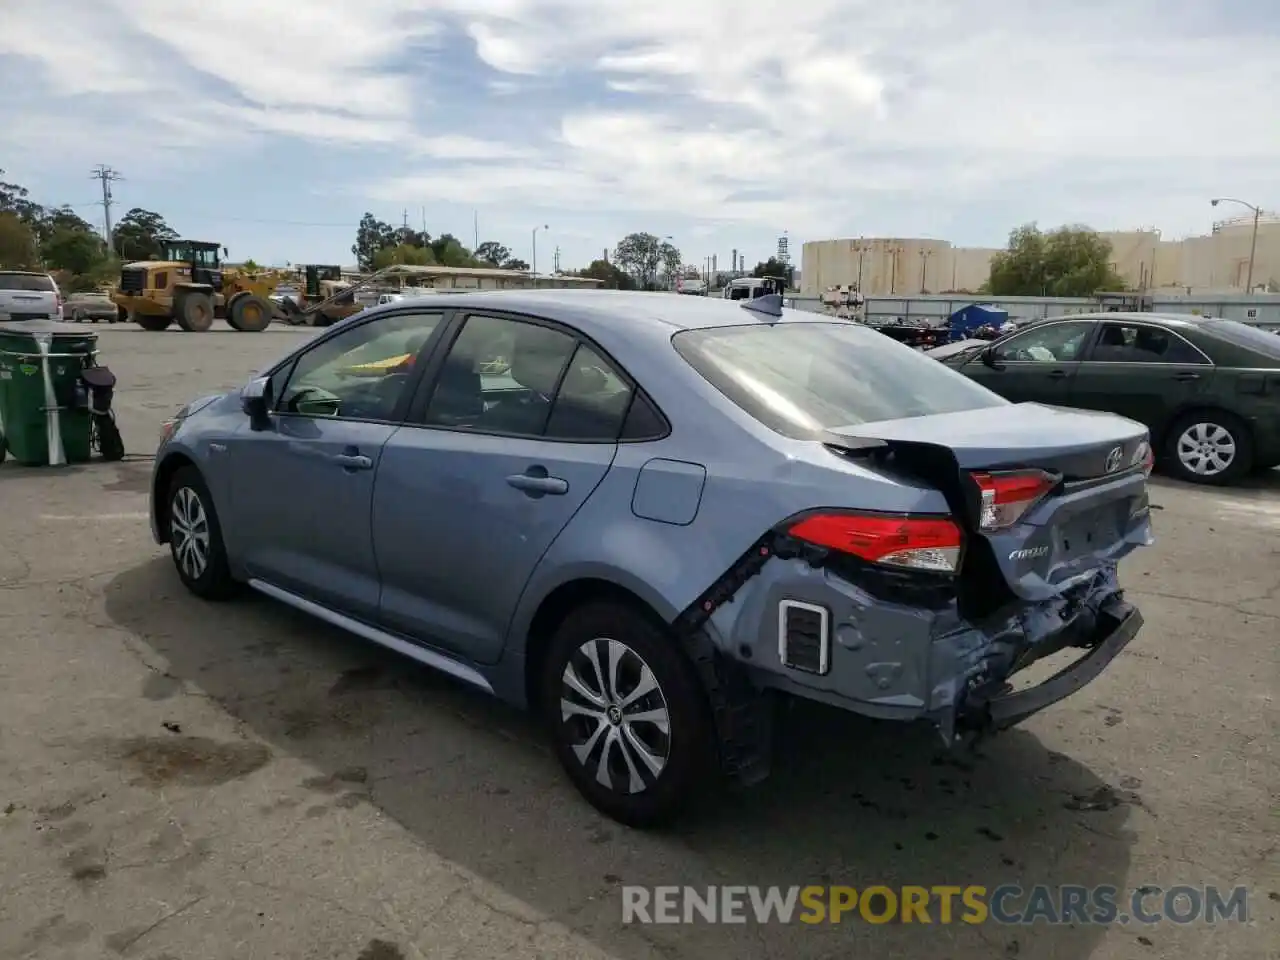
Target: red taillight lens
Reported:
point(1148, 458)
point(1007, 496)
point(915, 543)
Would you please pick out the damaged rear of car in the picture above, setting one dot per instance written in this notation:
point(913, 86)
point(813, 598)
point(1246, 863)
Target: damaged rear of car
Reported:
point(953, 538)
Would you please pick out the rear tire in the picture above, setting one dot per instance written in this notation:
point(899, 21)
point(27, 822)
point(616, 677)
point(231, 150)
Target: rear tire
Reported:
point(153, 324)
point(194, 311)
point(1210, 447)
point(195, 538)
point(607, 725)
point(250, 313)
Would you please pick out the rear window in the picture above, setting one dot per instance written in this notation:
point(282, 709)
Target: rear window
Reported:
point(1243, 335)
point(802, 379)
point(26, 281)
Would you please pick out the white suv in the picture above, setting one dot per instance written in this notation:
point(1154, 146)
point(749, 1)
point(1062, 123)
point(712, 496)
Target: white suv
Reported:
point(29, 296)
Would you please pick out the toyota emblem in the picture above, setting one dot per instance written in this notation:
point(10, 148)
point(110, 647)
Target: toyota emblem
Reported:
point(1113, 460)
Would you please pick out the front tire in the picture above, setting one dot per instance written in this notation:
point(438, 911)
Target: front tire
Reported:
point(628, 717)
point(1210, 447)
point(195, 538)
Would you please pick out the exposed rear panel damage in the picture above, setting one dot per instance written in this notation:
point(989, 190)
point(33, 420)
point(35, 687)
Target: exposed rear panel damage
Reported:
point(910, 645)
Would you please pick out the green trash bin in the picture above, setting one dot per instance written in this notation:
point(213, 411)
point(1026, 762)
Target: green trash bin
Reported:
point(40, 367)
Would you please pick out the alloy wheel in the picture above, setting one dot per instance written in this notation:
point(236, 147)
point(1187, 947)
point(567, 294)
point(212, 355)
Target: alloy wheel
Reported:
point(1206, 449)
point(616, 715)
point(189, 532)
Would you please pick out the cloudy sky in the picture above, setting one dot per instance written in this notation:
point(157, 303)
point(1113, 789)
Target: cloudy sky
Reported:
point(273, 125)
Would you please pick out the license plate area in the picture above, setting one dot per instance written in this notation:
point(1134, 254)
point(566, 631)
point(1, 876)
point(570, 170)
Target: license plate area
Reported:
point(1086, 533)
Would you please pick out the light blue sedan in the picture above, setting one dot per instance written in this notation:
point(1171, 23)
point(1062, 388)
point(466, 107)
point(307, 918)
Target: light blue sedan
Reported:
point(647, 517)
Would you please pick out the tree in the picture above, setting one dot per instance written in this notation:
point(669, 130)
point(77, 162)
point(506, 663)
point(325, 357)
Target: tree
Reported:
point(493, 254)
point(371, 236)
point(18, 249)
point(449, 251)
point(671, 259)
point(515, 263)
point(641, 255)
point(15, 199)
point(609, 275)
point(73, 250)
point(1066, 262)
point(402, 253)
point(773, 267)
point(142, 235)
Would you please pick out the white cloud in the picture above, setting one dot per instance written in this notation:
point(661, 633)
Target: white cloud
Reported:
point(824, 116)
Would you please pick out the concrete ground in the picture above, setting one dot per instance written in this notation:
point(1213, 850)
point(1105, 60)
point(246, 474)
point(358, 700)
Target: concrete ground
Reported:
point(181, 780)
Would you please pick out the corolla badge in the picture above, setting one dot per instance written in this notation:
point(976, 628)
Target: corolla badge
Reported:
point(1028, 553)
point(1114, 459)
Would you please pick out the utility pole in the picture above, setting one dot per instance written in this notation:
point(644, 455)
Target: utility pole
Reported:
point(107, 176)
point(475, 222)
point(556, 263)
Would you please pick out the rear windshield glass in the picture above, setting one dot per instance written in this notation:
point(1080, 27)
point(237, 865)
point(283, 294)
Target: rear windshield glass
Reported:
point(801, 379)
point(1243, 335)
point(26, 281)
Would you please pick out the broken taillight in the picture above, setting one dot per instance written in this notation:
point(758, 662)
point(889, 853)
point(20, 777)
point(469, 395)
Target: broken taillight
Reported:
point(914, 543)
point(1007, 496)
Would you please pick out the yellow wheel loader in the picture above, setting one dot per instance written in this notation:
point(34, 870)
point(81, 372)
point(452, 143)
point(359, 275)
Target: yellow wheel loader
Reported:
point(190, 287)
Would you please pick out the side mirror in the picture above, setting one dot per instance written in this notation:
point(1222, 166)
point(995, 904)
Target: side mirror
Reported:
point(255, 400)
point(988, 356)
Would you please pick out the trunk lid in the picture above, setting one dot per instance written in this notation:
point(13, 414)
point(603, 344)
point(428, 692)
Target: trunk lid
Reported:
point(1094, 513)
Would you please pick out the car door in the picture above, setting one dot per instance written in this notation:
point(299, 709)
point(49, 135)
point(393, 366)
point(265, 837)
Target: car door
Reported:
point(1142, 371)
point(302, 486)
point(1036, 364)
point(516, 429)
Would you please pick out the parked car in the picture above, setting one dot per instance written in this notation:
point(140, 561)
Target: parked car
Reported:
point(645, 517)
point(27, 295)
point(93, 306)
point(1207, 389)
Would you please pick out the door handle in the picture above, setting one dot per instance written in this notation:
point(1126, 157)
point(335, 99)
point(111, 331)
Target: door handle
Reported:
point(536, 483)
point(353, 461)
point(1186, 375)
point(1057, 374)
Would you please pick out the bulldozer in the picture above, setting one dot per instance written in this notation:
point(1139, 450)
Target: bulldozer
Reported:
point(189, 286)
point(325, 299)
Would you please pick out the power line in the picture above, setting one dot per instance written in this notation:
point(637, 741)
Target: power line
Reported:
point(108, 177)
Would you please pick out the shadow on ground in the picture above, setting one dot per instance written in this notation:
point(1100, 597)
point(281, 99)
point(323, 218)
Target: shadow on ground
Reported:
point(850, 802)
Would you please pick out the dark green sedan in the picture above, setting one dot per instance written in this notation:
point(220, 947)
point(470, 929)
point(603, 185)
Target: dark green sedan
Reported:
point(1207, 389)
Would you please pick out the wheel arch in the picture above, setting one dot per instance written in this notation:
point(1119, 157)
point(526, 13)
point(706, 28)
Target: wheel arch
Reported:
point(160, 481)
point(559, 602)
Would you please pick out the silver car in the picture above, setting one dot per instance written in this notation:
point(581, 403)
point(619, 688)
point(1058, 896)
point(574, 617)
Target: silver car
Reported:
point(27, 295)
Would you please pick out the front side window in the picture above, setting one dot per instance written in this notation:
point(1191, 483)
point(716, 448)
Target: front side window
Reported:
point(802, 379)
point(1050, 343)
point(360, 374)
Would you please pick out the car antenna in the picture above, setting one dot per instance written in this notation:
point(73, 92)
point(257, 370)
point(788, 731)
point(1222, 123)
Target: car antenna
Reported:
point(770, 304)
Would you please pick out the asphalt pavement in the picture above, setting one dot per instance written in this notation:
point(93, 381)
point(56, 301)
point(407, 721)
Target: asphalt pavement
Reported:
point(181, 781)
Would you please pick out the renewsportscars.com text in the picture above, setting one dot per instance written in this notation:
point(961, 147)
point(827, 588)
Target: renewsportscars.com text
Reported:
point(1005, 904)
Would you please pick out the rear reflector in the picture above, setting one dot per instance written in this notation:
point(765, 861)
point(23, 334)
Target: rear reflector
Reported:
point(804, 636)
point(915, 543)
point(1007, 496)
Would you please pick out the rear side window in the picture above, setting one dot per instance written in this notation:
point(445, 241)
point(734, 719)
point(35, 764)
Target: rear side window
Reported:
point(28, 282)
point(801, 379)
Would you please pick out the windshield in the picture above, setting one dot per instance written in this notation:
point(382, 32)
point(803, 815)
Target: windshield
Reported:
point(802, 379)
point(33, 282)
